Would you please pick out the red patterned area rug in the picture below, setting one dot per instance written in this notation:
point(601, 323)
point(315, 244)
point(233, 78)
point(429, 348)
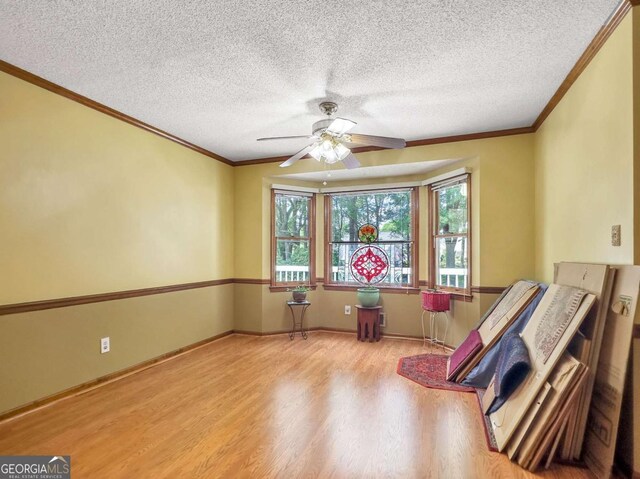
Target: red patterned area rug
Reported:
point(429, 370)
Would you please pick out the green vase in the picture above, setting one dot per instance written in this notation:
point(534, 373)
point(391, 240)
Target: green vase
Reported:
point(368, 297)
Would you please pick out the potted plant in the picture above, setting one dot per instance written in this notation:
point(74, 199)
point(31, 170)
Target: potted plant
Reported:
point(299, 293)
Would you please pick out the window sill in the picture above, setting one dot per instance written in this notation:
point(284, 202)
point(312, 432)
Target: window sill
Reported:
point(383, 289)
point(456, 295)
point(467, 298)
point(277, 288)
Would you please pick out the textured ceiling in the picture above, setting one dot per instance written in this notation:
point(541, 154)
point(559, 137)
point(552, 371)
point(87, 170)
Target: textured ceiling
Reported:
point(222, 73)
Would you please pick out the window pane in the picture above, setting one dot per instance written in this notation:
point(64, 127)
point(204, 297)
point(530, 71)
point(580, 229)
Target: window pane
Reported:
point(292, 215)
point(390, 212)
point(452, 262)
point(400, 267)
point(292, 261)
point(452, 209)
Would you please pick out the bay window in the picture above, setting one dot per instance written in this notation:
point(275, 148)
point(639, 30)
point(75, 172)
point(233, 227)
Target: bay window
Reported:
point(393, 212)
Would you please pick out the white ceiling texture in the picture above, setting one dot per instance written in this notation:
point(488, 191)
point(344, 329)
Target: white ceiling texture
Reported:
point(222, 73)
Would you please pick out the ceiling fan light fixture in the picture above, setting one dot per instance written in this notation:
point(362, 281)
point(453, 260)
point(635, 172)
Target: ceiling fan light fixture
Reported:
point(329, 154)
point(328, 136)
point(316, 153)
point(342, 151)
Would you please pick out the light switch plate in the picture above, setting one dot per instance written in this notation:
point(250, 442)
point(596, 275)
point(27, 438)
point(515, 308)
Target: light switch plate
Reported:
point(615, 235)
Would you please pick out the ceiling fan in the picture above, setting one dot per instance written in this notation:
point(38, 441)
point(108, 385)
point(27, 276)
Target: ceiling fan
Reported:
point(329, 137)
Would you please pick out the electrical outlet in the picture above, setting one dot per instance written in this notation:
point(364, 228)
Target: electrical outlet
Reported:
point(105, 345)
point(383, 320)
point(347, 309)
point(615, 235)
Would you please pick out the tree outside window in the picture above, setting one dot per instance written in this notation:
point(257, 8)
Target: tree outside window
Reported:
point(450, 235)
point(292, 239)
point(391, 211)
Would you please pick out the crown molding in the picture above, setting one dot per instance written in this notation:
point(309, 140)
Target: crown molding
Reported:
point(594, 47)
point(590, 52)
point(410, 144)
point(71, 95)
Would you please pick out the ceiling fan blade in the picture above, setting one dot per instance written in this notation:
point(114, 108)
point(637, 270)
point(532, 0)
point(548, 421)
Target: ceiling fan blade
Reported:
point(285, 138)
point(340, 126)
point(381, 141)
point(351, 161)
point(298, 155)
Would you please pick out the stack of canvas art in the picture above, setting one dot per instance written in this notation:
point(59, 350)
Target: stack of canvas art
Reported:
point(542, 350)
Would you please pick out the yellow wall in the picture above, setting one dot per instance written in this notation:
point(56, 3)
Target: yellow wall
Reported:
point(584, 164)
point(587, 176)
point(45, 352)
point(503, 204)
point(90, 204)
point(502, 233)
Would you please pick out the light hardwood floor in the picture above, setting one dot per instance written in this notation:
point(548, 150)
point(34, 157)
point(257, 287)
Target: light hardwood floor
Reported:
point(247, 406)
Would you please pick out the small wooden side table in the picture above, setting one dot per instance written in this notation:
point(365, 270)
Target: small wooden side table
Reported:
point(305, 305)
point(368, 323)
